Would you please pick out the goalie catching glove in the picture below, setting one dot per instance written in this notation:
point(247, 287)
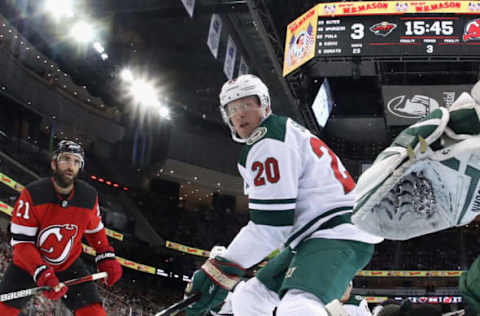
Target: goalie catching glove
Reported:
point(213, 281)
point(428, 179)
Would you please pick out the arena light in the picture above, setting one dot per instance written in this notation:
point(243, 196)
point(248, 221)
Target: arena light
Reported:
point(164, 112)
point(126, 75)
point(104, 56)
point(82, 32)
point(59, 8)
point(144, 92)
point(98, 47)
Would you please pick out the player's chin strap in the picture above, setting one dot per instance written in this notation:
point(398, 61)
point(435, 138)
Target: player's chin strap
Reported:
point(335, 308)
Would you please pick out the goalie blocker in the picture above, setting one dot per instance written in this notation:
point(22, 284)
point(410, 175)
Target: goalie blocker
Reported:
point(428, 179)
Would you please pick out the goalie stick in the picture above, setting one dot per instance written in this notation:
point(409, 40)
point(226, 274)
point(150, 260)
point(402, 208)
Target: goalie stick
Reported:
point(179, 306)
point(35, 290)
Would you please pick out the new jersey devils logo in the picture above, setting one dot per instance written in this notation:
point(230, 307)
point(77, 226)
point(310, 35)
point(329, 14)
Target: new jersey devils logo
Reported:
point(55, 242)
point(472, 31)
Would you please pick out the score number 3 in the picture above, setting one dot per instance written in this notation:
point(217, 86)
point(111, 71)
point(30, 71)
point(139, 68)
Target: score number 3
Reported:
point(358, 31)
point(342, 175)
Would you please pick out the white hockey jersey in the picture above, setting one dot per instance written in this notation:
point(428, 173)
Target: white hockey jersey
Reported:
point(297, 189)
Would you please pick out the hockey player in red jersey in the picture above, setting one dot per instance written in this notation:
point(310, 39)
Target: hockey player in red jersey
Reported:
point(48, 222)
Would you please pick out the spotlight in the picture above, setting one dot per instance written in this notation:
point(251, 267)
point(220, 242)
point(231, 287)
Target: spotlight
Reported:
point(144, 92)
point(126, 75)
point(82, 32)
point(59, 8)
point(98, 47)
point(104, 56)
point(164, 112)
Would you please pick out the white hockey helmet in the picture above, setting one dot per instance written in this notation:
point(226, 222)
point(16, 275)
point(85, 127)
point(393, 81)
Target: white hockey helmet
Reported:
point(240, 87)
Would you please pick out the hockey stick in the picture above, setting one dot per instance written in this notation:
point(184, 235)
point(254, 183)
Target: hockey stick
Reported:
point(179, 306)
point(35, 290)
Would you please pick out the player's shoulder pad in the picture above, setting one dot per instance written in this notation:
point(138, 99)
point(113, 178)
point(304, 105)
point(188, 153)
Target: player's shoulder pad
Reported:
point(85, 194)
point(273, 127)
point(41, 191)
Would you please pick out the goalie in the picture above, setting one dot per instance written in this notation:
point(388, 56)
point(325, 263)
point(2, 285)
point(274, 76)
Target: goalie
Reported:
point(427, 181)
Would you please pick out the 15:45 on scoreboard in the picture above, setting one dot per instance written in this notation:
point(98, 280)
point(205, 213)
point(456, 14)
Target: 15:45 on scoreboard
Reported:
point(419, 35)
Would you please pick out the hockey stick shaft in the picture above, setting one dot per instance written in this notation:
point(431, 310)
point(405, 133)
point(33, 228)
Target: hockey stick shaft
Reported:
point(35, 290)
point(179, 306)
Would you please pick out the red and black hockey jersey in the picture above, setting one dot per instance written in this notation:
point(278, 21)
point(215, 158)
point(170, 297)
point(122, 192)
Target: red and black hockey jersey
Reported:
point(45, 223)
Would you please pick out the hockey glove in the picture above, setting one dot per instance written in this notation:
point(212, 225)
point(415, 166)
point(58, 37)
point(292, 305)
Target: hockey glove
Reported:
point(215, 278)
point(106, 262)
point(427, 179)
point(45, 276)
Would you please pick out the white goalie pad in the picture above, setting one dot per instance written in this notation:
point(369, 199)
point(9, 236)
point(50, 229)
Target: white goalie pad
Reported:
point(401, 197)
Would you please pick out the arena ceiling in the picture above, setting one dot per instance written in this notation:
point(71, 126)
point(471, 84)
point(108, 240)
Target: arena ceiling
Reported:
point(158, 40)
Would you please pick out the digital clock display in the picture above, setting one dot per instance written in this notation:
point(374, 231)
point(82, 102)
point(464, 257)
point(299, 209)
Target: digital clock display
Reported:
point(390, 35)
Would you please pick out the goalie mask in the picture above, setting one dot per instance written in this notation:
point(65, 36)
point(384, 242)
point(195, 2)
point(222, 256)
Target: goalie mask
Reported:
point(243, 86)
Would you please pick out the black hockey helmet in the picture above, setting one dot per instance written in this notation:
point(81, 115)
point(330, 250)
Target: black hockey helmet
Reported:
point(67, 146)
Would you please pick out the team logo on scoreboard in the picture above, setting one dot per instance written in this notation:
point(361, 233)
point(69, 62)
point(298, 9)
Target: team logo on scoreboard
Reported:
point(300, 45)
point(329, 9)
point(383, 28)
point(474, 7)
point(401, 6)
point(412, 108)
point(472, 31)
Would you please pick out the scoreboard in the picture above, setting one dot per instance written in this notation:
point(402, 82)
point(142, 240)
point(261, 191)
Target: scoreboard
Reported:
point(382, 29)
point(398, 35)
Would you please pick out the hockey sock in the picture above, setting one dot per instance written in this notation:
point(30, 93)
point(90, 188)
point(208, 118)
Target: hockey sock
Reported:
point(91, 310)
point(6, 310)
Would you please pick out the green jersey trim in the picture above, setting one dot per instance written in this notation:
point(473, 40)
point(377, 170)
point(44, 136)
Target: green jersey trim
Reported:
point(276, 129)
point(272, 201)
point(335, 221)
point(272, 217)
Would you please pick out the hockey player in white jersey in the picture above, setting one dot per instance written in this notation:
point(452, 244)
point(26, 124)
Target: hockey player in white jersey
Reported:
point(300, 199)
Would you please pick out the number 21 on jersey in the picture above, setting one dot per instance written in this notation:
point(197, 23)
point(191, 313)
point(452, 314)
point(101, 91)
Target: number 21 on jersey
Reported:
point(342, 175)
point(26, 208)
